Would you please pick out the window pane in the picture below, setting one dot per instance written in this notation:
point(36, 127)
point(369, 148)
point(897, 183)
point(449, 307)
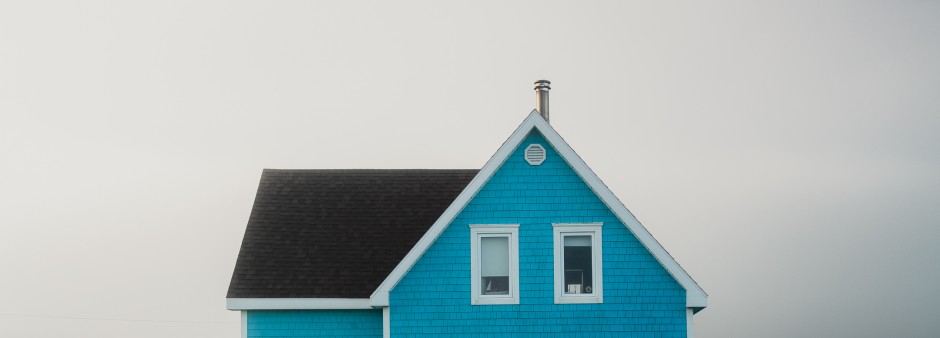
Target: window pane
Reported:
point(578, 273)
point(495, 286)
point(494, 265)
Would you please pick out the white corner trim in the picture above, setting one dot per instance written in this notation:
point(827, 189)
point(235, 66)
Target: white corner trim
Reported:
point(595, 230)
point(695, 296)
point(386, 322)
point(689, 314)
point(297, 303)
point(244, 324)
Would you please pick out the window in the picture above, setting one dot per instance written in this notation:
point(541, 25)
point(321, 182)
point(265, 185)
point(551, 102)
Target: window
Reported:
point(494, 263)
point(579, 277)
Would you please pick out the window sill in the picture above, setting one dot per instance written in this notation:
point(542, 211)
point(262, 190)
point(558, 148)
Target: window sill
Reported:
point(495, 301)
point(579, 300)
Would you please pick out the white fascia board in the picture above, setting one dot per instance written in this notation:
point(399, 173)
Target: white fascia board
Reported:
point(695, 295)
point(297, 304)
point(693, 291)
point(380, 296)
point(696, 300)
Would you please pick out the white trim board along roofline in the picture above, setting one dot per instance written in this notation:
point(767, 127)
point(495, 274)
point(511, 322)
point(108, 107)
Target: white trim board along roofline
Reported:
point(695, 296)
point(297, 303)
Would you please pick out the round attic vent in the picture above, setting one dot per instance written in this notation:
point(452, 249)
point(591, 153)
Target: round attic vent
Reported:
point(534, 154)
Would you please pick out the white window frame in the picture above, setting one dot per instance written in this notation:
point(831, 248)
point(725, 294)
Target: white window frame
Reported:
point(597, 270)
point(478, 231)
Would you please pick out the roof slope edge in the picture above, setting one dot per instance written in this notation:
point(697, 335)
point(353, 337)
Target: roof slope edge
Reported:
point(695, 295)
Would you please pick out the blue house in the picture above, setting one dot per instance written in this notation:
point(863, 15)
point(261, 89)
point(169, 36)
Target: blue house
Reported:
point(531, 244)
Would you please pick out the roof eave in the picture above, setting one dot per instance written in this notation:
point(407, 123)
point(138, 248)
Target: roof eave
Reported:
point(241, 304)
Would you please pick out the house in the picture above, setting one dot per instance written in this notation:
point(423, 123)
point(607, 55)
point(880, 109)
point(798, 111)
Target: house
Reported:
point(532, 244)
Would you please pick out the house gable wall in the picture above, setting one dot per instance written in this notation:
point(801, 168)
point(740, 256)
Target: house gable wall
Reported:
point(640, 296)
point(315, 323)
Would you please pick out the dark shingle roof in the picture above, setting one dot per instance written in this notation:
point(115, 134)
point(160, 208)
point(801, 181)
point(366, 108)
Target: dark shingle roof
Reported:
point(336, 233)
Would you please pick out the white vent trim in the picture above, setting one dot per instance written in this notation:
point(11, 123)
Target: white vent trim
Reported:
point(535, 154)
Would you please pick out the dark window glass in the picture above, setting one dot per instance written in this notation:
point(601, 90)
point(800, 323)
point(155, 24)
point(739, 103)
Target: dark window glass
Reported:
point(578, 265)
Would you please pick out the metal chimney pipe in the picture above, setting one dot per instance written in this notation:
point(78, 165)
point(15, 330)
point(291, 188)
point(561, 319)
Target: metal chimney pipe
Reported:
point(541, 97)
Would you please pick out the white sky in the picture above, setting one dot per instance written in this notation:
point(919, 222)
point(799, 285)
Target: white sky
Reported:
point(786, 153)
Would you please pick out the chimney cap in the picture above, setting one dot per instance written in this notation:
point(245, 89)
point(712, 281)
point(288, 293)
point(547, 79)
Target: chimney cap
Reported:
point(543, 84)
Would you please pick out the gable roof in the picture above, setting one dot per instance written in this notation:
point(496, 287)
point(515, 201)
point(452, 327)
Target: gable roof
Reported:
point(696, 297)
point(331, 234)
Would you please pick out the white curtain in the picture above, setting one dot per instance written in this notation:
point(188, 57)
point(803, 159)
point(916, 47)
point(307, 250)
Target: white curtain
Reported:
point(494, 257)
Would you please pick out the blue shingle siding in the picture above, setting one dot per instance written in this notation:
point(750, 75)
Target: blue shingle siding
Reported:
point(315, 323)
point(641, 299)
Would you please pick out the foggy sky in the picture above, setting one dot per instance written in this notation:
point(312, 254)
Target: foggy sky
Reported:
point(787, 154)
